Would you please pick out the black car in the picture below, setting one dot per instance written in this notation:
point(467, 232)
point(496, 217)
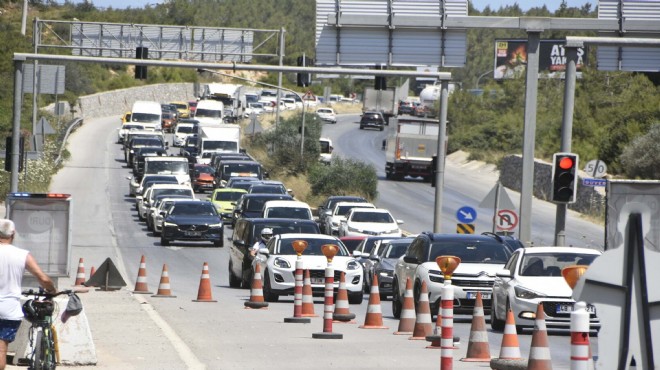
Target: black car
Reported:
point(230, 168)
point(247, 231)
point(139, 155)
point(325, 209)
point(192, 220)
point(384, 262)
point(372, 120)
point(251, 205)
point(141, 142)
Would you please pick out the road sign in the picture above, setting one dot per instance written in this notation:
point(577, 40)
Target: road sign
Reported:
point(466, 215)
point(465, 228)
point(507, 219)
point(594, 182)
point(503, 200)
point(596, 168)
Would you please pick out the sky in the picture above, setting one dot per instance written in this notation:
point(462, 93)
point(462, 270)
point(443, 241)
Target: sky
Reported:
point(552, 5)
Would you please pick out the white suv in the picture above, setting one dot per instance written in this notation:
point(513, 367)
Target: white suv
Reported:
point(369, 221)
point(338, 214)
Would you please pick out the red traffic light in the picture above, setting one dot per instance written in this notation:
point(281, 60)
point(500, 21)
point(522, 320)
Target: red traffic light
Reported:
point(566, 163)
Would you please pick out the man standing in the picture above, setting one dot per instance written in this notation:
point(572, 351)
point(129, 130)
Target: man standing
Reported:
point(13, 262)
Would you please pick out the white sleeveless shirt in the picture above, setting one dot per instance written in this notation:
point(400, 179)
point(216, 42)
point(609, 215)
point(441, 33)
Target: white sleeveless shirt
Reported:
point(12, 267)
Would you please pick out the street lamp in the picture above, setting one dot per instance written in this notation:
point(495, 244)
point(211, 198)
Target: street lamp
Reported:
point(481, 75)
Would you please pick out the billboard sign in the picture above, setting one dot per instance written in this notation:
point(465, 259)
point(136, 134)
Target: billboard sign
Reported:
point(511, 59)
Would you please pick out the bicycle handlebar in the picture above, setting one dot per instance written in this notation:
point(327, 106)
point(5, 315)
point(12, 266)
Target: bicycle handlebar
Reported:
point(42, 293)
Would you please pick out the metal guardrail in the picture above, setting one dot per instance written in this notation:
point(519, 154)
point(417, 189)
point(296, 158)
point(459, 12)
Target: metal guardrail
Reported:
point(71, 126)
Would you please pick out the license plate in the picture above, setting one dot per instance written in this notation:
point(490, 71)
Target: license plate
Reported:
point(318, 280)
point(473, 295)
point(193, 233)
point(568, 308)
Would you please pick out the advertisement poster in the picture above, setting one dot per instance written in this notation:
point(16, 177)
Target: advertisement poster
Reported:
point(511, 59)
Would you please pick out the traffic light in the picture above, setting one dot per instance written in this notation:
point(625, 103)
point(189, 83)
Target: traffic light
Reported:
point(564, 177)
point(8, 152)
point(380, 83)
point(141, 71)
point(304, 79)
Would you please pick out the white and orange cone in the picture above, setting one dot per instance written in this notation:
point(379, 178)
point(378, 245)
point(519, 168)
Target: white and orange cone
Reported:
point(374, 317)
point(141, 281)
point(256, 292)
point(204, 291)
point(80, 274)
point(308, 297)
point(539, 353)
point(164, 290)
point(424, 321)
point(510, 349)
point(408, 316)
point(342, 312)
point(478, 349)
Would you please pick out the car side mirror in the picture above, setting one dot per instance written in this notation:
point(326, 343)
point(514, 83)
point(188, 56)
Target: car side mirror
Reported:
point(503, 274)
point(400, 222)
point(264, 251)
point(239, 243)
point(374, 258)
point(357, 254)
point(411, 259)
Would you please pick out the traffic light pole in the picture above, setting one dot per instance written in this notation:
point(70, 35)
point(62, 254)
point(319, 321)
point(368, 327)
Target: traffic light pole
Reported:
point(442, 153)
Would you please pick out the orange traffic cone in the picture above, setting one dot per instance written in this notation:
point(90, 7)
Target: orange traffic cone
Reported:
point(91, 272)
point(423, 323)
point(141, 281)
point(342, 312)
point(307, 298)
point(80, 275)
point(478, 349)
point(408, 316)
point(164, 290)
point(510, 349)
point(374, 317)
point(256, 292)
point(539, 353)
point(204, 292)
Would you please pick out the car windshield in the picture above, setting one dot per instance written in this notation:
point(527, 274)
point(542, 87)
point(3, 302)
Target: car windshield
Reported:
point(193, 209)
point(239, 169)
point(132, 127)
point(342, 210)
point(313, 247)
point(145, 117)
point(287, 227)
point(551, 264)
point(395, 250)
point(325, 146)
point(267, 189)
point(372, 117)
point(289, 212)
point(227, 196)
point(210, 113)
point(184, 129)
point(145, 141)
point(231, 146)
point(180, 106)
point(147, 184)
point(351, 244)
point(374, 217)
point(470, 251)
point(183, 192)
point(175, 167)
point(204, 169)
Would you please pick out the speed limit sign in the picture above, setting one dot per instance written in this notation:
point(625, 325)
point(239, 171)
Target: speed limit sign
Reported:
point(596, 168)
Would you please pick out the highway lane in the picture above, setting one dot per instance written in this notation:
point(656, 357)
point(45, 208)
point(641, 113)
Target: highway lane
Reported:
point(223, 334)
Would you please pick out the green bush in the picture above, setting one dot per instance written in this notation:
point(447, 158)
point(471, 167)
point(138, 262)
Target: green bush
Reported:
point(344, 177)
point(641, 157)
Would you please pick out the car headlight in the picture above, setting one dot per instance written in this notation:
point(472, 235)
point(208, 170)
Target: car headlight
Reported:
point(525, 293)
point(215, 226)
point(352, 265)
point(436, 276)
point(393, 231)
point(281, 263)
point(168, 224)
point(384, 273)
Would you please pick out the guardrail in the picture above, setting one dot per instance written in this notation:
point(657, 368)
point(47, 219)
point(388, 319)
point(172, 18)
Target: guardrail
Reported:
point(71, 126)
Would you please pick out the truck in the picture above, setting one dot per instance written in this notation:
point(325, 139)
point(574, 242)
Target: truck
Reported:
point(147, 113)
point(385, 101)
point(223, 138)
point(229, 95)
point(410, 146)
point(209, 112)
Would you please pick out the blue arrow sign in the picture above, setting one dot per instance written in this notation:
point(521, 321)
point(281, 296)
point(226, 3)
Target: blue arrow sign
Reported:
point(466, 215)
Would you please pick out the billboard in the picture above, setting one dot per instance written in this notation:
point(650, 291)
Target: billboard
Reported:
point(511, 59)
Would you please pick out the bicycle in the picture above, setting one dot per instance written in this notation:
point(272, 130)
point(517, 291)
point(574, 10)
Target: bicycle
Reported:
point(42, 335)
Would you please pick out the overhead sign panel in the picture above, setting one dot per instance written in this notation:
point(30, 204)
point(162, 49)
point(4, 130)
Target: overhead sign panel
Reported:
point(50, 77)
point(629, 58)
point(389, 33)
point(511, 59)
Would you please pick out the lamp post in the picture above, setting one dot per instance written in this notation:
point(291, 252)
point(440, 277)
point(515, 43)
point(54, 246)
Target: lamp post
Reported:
point(580, 349)
point(329, 251)
point(479, 78)
point(299, 246)
point(448, 265)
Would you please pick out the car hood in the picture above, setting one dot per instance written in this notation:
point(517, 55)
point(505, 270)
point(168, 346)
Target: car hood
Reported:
point(317, 262)
point(190, 219)
point(205, 177)
point(373, 226)
point(552, 286)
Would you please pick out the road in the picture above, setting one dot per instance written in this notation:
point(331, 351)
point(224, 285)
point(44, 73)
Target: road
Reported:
point(180, 333)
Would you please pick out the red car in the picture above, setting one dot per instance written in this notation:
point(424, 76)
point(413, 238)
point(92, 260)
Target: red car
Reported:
point(192, 106)
point(202, 178)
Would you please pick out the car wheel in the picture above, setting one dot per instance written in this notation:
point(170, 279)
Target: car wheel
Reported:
point(383, 296)
point(234, 282)
point(149, 224)
point(156, 233)
point(164, 242)
point(269, 296)
point(417, 292)
point(396, 300)
point(382, 128)
point(496, 323)
point(355, 298)
point(219, 243)
point(361, 127)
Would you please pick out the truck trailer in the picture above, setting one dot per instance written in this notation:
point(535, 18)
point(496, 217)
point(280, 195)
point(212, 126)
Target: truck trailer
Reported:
point(409, 148)
point(223, 138)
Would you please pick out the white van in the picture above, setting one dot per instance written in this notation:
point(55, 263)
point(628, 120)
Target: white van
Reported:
point(209, 112)
point(287, 209)
point(177, 166)
point(147, 113)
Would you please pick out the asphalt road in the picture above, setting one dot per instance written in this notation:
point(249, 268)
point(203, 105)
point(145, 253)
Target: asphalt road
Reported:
point(144, 332)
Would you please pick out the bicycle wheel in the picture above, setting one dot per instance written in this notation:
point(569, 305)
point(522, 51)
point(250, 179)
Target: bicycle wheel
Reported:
point(44, 358)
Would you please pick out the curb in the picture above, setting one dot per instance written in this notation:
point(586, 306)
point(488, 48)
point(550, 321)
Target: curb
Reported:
point(498, 364)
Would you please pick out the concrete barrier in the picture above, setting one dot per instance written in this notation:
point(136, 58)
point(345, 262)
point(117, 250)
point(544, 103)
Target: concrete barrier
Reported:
point(498, 364)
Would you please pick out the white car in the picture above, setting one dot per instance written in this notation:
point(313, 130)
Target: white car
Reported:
point(256, 108)
point(161, 189)
point(533, 276)
point(278, 266)
point(289, 103)
point(327, 115)
point(125, 128)
point(369, 221)
point(287, 209)
point(181, 132)
point(338, 215)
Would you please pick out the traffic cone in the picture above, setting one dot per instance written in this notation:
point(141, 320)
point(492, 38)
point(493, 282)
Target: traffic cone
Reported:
point(91, 272)
point(510, 349)
point(478, 349)
point(164, 285)
point(204, 292)
point(307, 298)
point(374, 317)
point(408, 316)
point(256, 292)
point(141, 281)
point(435, 338)
point(342, 312)
point(80, 275)
point(539, 353)
point(423, 323)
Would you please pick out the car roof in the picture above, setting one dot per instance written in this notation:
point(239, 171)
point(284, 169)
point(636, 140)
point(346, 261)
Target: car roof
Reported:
point(274, 221)
point(274, 196)
point(359, 204)
point(170, 186)
point(434, 237)
point(286, 203)
point(356, 237)
point(229, 190)
point(195, 201)
point(557, 249)
point(306, 236)
point(374, 210)
point(347, 197)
